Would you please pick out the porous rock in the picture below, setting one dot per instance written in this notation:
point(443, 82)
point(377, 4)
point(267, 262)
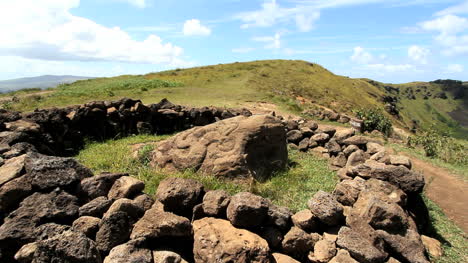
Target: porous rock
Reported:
point(125, 187)
point(359, 247)
point(247, 210)
point(129, 252)
point(326, 208)
point(215, 203)
point(216, 240)
point(179, 195)
point(298, 243)
point(240, 146)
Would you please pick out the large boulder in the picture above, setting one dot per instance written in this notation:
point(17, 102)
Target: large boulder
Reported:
point(179, 195)
point(215, 203)
point(326, 208)
point(216, 240)
point(240, 146)
point(129, 252)
point(406, 245)
point(247, 210)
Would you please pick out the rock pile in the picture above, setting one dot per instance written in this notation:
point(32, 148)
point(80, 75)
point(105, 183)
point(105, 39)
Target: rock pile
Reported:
point(53, 209)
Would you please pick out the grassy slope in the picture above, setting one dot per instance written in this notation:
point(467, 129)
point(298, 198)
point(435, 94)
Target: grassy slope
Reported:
point(235, 84)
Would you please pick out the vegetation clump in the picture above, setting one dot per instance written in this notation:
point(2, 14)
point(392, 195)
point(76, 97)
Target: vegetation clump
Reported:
point(374, 119)
point(441, 146)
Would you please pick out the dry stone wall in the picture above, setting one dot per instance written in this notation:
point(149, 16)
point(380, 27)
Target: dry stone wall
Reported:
point(53, 209)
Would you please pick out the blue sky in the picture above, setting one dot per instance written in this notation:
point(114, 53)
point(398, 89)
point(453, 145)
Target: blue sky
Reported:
point(387, 40)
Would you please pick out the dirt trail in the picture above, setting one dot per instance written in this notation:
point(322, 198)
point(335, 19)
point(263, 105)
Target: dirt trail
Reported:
point(448, 191)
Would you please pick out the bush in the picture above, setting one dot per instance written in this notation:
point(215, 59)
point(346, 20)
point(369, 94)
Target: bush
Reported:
point(374, 119)
point(441, 146)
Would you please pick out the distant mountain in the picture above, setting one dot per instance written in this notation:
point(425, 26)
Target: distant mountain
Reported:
point(46, 81)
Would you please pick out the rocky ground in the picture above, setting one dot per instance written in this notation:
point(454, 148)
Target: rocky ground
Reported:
point(52, 209)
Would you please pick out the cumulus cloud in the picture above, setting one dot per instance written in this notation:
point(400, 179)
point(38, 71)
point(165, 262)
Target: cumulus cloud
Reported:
point(418, 54)
point(455, 68)
point(272, 13)
point(273, 42)
point(47, 30)
point(451, 33)
point(361, 56)
point(194, 27)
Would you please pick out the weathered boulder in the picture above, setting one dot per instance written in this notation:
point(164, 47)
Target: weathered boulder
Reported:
point(97, 207)
point(333, 147)
point(348, 150)
point(98, 185)
point(247, 210)
point(164, 256)
point(357, 157)
point(320, 138)
point(305, 220)
point(216, 240)
point(158, 224)
point(129, 253)
point(127, 206)
point(359, 247)
point(347, 191)
point(298, 243)
point(272, 235)
point(400, 160)
point(179, 195)
point(48, 172)
point(49, 230)
point(281, 258)
point(125, 187)
point(406, 245)
point(143, 201)
point(11, 169)
point(433, 246)
point(67, 247)
point(88, 225)
point(373, 148)
point(279, 216)
point(343, 134)
point(215, 203)
point(324, 251)
point(240, 146)
point(326, 208)
point(114, 229)
point(356, 140)
point(342, 256)
point(304, 144)
point(294, 136)
point(13, 192)
point(26, 253)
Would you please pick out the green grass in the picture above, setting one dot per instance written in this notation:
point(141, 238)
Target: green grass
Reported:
point(293, 188)
point(454, 240)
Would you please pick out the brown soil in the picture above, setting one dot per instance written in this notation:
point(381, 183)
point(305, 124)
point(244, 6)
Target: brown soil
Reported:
point(446, 190)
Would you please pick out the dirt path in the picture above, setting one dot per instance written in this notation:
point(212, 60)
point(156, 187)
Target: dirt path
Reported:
point(446, 190)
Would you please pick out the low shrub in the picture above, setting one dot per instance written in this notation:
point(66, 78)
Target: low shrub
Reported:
point(374, 119)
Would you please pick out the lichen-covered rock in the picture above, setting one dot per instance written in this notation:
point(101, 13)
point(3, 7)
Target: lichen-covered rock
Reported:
point(326, 208)
point(247, 210)
point(216, 240)
point(179, 195)
point(240, 146)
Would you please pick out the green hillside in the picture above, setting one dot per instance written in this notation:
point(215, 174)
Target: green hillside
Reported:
point(419, 104)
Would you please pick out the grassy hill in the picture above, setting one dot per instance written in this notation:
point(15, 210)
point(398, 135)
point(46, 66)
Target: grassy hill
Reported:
point(46, 81)
point(419, 104)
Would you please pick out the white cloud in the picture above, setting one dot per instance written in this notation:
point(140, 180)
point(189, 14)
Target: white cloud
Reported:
point(137, 3)
point(305, 23)
point(451, 35)
point(46, 30)
point(455, 68)
point(272, 13)
point(418, 54)
point(461, 8)
point(390, 68)
point(361, 56)
point(273, 42)
point(243, 50)
point(194, 27)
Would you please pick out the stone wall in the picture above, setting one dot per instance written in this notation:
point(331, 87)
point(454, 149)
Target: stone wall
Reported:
point(53, 209)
